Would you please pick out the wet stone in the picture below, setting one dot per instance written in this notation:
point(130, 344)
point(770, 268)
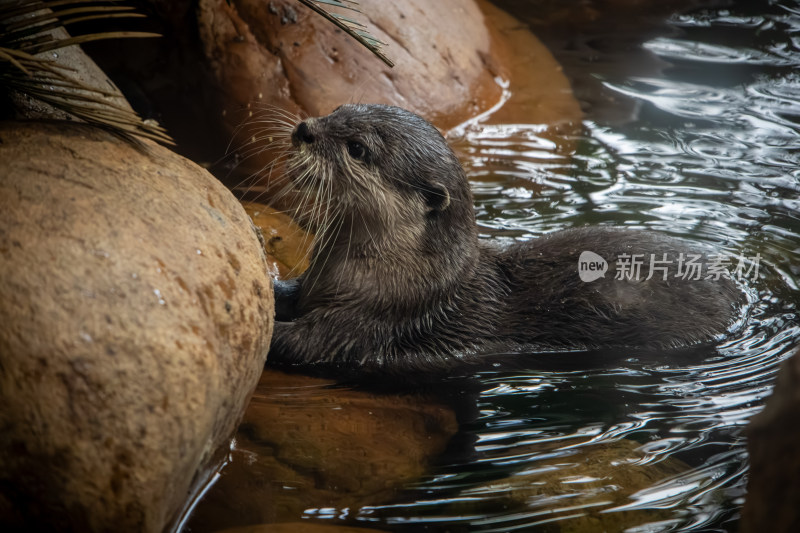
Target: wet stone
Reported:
point(134, 324)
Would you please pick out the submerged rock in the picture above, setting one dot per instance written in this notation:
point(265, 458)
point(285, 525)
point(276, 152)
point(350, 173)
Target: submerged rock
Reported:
point(135, 318)
point(773, 441)
point(591, 488)
point(305, 444)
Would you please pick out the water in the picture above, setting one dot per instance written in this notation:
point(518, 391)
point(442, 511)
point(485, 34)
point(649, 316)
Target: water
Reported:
point(692, 128)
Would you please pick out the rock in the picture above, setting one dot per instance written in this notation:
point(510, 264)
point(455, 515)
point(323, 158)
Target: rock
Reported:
point(540, 93)
point(442, 53)
point(287, 246)
point(305, 444)
point(773, 441)
point(135, 317)
point(449, 57)
point(590, 488)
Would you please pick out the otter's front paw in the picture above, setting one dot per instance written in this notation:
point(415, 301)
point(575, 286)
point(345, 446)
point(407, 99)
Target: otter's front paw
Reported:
point(286, 295)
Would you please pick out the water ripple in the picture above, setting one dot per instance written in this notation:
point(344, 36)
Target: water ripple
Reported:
point(708, 161)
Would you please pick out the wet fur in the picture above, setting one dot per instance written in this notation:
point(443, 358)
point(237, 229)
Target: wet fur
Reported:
point(399, 281)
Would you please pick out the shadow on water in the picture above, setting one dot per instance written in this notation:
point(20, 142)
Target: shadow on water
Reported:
point(692, 128)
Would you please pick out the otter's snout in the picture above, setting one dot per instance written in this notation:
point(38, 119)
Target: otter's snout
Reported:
point(302, 134)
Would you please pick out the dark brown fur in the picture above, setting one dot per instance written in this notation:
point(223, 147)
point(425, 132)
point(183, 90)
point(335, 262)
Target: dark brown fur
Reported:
point(400, 282)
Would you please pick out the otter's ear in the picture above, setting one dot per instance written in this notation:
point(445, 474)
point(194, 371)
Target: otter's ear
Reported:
point(437, 197)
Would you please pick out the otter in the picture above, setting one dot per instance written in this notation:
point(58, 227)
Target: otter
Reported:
point(399, 281)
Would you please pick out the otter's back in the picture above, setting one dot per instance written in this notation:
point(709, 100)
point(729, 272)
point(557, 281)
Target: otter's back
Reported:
point(589, 287)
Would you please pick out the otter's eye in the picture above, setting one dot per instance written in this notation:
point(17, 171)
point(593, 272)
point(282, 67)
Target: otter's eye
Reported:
point(356, 149)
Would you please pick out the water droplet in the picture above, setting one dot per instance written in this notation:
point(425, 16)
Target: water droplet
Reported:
point(55, 55)
point(199, 252)
point(161, 300)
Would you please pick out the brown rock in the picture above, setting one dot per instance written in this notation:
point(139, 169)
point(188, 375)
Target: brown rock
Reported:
point(540, 93)
point(448, 58)
point(305, 444)
point(773, 486)
point(588, 489)
point(135, 317)
point(441, 52)
point(288, 247)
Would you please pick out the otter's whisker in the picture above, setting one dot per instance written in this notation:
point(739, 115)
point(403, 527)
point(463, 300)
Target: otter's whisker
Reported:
point(285, 113)
point(279, 129)
point(253, 179)
point(346, 257)
point(332, 237)
point(371, 237)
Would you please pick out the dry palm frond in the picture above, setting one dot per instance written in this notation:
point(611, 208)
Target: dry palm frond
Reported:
point(350, 26)
point(30, 28)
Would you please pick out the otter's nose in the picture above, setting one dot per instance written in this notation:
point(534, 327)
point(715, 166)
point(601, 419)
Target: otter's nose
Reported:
point(302, 134)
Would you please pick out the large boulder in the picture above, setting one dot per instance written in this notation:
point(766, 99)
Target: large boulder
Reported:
point(135, 318)
point(443, 70)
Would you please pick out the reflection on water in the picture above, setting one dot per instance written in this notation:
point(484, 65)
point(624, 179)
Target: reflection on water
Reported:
point(708, 151)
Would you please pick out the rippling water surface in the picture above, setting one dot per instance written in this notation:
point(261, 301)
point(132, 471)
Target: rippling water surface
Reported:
point(692, 128)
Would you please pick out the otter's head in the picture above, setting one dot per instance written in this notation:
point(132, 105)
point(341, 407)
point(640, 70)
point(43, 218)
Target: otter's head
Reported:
point(381, 175)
